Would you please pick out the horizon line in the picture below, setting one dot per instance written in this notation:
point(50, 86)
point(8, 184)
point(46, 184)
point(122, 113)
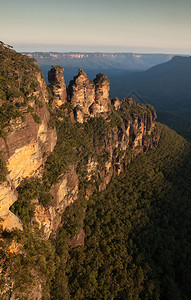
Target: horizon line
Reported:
point(104, 52)
point(59, 48)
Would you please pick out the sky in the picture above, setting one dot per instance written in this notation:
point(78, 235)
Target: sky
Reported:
point(142, 26)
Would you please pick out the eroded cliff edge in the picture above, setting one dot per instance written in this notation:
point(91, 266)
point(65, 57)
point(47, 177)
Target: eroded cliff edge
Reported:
point(58, 143)
point(25, 137)
point(117, 130)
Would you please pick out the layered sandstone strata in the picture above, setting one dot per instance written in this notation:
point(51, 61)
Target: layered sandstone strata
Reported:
point(89, 98)
point(28, 143)
point(57, 85)
point(25, 149)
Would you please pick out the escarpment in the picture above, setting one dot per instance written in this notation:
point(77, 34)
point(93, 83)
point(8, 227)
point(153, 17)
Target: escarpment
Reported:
point(57, 143)
point(115, 132)
point(25, 137)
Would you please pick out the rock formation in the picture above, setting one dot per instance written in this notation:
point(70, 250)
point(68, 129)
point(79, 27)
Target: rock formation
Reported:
point(25, 150)
point(57, 85)
point(89, 98)
point(101, 94)
point(121, 131)
point(27, 142)
point(134, 134)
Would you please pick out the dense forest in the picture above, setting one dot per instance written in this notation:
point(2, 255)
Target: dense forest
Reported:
point(137, 232)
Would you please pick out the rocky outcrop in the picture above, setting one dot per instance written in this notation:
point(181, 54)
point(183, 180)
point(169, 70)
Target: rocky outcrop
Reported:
point(8, 196)
point(25, 148)
point(28, 143)
point(64, 192)
point(125, 141)
point(81, 91)
point(119, 132)
point(57, 85)
point(90, 98)
point(102, 101)
point(116, 103)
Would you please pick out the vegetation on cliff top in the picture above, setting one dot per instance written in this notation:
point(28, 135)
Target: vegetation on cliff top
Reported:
point(75, 144)
point(16, 74)
point(17, 82)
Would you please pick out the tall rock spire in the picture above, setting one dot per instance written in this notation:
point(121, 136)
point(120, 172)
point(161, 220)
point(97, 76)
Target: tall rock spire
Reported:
point(89, 97)
point(57, 85)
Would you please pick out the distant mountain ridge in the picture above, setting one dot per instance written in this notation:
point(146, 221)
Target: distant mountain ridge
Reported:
point(170, 79)
point(122, 61)
point(92, 63)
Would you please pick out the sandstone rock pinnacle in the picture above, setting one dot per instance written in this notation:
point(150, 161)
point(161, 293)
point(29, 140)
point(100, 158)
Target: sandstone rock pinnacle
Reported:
point(57, 85)
point(89, 97)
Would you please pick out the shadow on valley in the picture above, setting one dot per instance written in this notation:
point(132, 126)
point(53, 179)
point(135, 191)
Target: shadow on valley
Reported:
point(166, 86)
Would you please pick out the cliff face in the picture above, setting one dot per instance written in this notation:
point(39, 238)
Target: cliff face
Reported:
point(25, 150)
point(8, 196)
point(28, 142)
point(133, 136)
point(26, 139)
point(109, 152)
point(91, 138)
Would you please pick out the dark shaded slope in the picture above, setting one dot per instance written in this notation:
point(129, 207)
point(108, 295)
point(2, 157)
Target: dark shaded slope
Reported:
point(166, 86)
